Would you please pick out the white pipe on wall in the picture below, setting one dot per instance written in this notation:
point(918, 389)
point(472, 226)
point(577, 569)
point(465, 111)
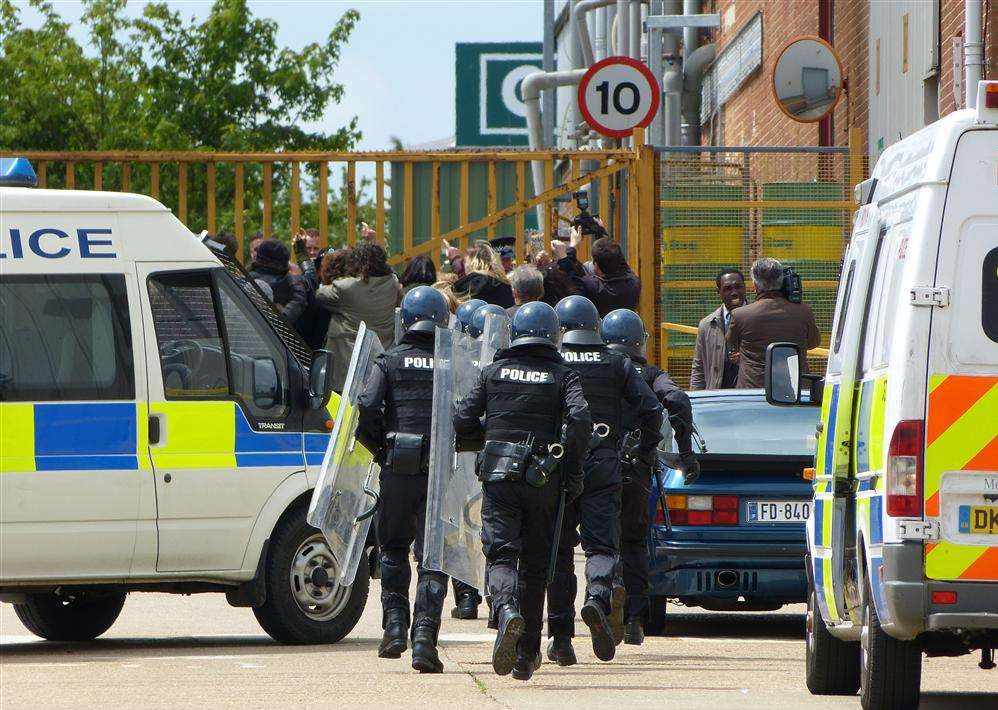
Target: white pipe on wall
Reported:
point(973, 49)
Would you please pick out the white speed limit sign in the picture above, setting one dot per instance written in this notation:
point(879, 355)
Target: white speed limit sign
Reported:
point(617, 95)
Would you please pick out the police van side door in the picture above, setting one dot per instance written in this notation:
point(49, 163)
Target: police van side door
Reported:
point(225, 423)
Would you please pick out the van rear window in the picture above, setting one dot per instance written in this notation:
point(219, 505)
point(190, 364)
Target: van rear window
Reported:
point(989, 295)
point(65, 337)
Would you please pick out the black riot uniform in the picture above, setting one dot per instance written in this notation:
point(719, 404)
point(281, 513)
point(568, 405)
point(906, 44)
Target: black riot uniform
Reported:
point(395, 415)
point(530, 401)
point(611, 385)
point(623, 331)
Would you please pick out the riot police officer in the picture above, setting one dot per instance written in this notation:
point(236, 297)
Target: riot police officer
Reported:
point(466, 597)
point(395, 414)
point(611, 385)
point(531, 402)
point(623, 331)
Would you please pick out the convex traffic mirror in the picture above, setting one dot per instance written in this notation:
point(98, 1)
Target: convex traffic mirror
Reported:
point(807, 79)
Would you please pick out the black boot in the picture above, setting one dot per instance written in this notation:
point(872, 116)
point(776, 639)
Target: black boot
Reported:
point(561, 652)
point(594, 615)
point(424, 648)
point(616, 615)
point(396, 629)
point(510, 630)
point(526, 663)
point(492, 615)
point(466, 607)
point(634, 631)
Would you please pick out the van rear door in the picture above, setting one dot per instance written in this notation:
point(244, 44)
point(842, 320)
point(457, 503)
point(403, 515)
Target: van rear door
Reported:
point(961, 434)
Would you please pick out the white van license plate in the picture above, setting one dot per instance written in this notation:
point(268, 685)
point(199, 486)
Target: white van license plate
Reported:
point(778, 511)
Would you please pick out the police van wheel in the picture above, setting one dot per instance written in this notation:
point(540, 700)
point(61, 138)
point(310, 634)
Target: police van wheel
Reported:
point(832, 665)
point(70, 617)
point(655, 621)
point(304, 604)
point(892, 668)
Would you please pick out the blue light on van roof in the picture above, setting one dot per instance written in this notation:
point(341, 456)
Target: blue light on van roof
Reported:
point(17, 172)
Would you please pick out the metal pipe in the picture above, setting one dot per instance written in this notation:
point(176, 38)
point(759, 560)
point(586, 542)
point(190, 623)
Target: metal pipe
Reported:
point(634, 31)
point(973, 49)
point(599, 45)
point(575, 61)
point(582, 27)
point(622, 26)
point(530, 89)
point(672, 81)
point(694, 67)
point(691, 35)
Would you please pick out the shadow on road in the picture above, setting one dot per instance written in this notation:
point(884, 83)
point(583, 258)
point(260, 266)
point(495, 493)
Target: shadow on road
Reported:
point(735, 625)
point(963, 701)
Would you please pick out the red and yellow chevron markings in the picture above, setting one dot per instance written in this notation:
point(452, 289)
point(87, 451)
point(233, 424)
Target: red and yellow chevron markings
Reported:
point(961, 435)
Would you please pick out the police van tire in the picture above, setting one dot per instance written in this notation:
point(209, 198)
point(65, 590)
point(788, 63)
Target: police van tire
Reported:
point(655, 621)
point(79, 617)
point(891, 668)
point(281, 616)
point(832, 665)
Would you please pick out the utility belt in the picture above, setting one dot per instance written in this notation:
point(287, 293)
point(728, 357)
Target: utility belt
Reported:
point(602, 438)
point(524, 460)
point(407, 454)
point(627, 445)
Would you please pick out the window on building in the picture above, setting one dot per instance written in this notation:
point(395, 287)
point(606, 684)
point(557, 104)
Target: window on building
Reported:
point(65, 337)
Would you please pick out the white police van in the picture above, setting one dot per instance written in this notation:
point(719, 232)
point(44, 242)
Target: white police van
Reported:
point(161, 426)
point(903, 540)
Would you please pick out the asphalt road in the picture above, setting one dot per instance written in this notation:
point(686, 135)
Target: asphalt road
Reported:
point(197, 652)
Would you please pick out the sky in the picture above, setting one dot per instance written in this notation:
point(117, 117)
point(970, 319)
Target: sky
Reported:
point(398, 67)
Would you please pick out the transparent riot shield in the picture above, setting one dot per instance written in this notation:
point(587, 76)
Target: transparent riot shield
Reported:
point(399, 330)
point(346, 494)
point(452, 542)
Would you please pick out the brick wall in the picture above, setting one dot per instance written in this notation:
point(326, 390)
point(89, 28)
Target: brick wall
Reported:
point(950, 26)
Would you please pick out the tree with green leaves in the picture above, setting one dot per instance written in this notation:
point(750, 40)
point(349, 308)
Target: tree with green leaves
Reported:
point(162, 82)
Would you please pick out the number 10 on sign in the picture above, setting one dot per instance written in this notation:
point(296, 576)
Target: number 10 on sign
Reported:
point(617, 95)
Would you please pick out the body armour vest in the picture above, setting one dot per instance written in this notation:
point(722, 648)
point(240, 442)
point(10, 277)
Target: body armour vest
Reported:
point(602, 373)
point(648, 373)
point(410, 402)
point(524, 396)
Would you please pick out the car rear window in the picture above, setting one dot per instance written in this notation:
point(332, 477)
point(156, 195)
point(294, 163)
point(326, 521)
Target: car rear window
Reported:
point(989, 295)
point(751, 427)
point(65, 337)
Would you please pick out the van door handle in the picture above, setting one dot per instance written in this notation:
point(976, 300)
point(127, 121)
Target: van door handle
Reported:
point(156, 426)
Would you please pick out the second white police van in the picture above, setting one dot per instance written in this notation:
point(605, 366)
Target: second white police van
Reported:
point(161, 425)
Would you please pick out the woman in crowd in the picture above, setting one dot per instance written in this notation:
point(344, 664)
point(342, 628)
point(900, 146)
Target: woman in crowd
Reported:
point(420, 271)
point(368, 295)
point(484, 278)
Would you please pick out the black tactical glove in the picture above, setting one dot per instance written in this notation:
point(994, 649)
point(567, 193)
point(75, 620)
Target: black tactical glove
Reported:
point(690, 467)
point(573, 488)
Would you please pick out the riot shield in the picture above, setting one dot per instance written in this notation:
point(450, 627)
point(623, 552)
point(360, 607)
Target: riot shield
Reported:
point(399, 330)
point(346, 495)
point(452, 542)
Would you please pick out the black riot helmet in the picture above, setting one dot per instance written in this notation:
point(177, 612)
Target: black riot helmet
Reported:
point(624, 330)
point(423, 309)
point(579, 321)
point(477, 325)
point(462, 318)
point(535, 323)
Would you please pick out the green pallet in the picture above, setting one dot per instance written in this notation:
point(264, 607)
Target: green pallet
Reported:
point(803, 191)
point(692, 217)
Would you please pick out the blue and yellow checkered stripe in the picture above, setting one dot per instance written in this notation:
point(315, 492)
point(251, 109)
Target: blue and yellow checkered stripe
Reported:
point(114, 436)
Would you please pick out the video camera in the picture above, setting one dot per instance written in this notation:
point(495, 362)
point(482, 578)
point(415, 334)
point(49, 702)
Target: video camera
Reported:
point(586, 223)
point(793, 289)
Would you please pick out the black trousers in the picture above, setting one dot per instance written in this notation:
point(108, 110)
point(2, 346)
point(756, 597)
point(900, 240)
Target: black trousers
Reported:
point(401, 521)
point(463, 588)
point(634, 542)
point(596, 513)
point(517, 530)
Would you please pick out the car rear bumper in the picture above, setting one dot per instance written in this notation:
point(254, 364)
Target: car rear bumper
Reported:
point(907, 597)
point(727, 570)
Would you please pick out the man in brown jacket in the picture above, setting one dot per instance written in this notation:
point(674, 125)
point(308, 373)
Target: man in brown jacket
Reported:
point(714, 367)
point(770, 319)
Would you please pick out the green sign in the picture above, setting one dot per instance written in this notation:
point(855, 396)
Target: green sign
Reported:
point(489, 106)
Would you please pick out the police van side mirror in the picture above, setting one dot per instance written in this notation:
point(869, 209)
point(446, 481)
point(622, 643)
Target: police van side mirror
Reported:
point(320, 379)
point(784, 377)
point(266, 383)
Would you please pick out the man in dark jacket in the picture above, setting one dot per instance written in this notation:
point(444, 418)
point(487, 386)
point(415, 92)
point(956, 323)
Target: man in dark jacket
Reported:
point(272, 265)
point(612, 284)
point(771, 318)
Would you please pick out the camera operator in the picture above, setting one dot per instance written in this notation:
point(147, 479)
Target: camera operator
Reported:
point(774, 316)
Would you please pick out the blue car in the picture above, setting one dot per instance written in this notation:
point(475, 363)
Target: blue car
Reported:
point(734, 539)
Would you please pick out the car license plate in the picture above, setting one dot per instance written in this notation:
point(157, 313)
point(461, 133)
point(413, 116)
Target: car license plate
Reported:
point(778, 511)
point(979, 519)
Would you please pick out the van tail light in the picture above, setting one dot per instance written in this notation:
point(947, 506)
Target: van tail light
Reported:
point(904, 470)
point(700, 510)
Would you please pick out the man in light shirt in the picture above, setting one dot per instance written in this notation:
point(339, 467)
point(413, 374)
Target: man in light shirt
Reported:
point(714, 366)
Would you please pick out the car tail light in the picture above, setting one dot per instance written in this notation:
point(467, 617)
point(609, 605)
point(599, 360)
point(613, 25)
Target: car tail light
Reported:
point(700, 510)
point(991, 95)
point(904, 470)
point(944, 597)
